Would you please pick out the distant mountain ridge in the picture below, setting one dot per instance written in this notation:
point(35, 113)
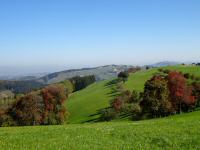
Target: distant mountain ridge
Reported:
point(23, 77)
point(100, 73)
point(28, 83)
point(165, 63)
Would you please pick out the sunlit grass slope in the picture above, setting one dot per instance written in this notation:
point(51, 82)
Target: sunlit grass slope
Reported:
point(84, 105)
point(137, 80)
point(181, 132)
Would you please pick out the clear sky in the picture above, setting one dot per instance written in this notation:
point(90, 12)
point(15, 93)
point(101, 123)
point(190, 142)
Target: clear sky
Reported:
point(58, 34)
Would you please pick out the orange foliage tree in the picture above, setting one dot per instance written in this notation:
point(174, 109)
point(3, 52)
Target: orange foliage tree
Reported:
point(180, 93)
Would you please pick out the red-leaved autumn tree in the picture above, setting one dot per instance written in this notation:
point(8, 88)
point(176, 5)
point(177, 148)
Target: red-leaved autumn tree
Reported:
point(180, 93)
point(54, 97)
point(117, 104)
point(28, 109)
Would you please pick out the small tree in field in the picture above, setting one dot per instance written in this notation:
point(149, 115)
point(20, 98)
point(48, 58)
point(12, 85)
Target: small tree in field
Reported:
point(123, 76)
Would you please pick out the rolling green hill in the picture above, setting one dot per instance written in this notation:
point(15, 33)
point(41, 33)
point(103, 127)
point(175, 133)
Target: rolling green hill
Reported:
point(84, 105)
point(137, 80)
point(176, 132)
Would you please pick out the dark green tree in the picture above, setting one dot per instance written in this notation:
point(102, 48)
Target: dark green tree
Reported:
point(156, 97)
point(123, 76)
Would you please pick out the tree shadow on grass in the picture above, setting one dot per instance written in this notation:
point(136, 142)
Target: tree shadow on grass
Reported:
point(128, 116)
point(97, 115)
point(94, 120)
point(112, 82)
point(125, 115)
point(113, 93)
point(112, 85)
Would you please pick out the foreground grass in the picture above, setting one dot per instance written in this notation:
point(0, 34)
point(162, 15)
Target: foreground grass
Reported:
point(176, 132)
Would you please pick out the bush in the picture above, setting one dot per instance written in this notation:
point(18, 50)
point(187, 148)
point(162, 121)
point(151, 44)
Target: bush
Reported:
point(192, 77)
point(6, 120)
point(28, 110)
point(196, 92)
point(54, 97)
point(135, 98)
point(108, 114)
point(69, 87)
point(197, 78)
point(126, 96)
point(117, 104)
point(166, 71)
point(160, 70)
point(187, 75)
point(133, 109)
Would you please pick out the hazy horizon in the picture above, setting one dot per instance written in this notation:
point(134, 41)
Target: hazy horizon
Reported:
point(14, 71)
point(46, 36)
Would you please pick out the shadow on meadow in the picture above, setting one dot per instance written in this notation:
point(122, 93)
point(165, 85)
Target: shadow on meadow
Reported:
point(113, 87)
point(114, 92)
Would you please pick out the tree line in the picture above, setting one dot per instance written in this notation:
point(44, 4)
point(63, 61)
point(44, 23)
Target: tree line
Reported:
point(23, 87)
point(45, 106)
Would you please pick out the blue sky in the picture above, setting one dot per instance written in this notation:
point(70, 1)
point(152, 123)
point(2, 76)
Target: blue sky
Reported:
point(52, 35)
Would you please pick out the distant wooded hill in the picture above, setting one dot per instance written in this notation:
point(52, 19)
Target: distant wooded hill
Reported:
point(100, 73)
point(23, 85)
point(28, 83)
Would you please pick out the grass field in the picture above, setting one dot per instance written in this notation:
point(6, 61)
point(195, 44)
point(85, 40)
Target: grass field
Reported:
point(173, 133)
point(85, 104)
point(137, 80)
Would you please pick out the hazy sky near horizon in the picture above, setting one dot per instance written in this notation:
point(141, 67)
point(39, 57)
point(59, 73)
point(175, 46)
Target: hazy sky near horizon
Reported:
point(78, 33)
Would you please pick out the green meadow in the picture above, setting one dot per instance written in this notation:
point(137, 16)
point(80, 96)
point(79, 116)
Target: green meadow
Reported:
point(181, 132)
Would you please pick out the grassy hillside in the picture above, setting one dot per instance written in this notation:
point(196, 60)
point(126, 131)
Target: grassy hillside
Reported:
point(176, 132)
point(85, 104)
point(195, 70)
point(137, 80)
